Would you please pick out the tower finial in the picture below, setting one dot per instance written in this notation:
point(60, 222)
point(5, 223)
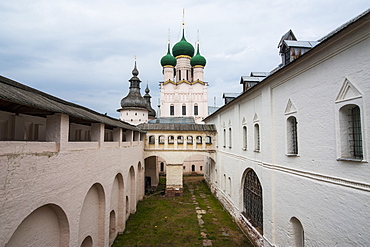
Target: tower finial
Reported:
point(169, 35)
point(183, 18)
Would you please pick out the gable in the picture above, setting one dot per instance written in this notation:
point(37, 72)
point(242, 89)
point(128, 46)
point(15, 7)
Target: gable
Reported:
point(348, 91)
point(290, 107)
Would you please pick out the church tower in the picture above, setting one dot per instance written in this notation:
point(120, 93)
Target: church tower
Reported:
point(134, 108)
point(183, 91)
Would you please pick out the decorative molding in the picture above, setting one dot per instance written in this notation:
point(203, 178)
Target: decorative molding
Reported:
point(310, 175)
point(348, 91)
point(290, 108)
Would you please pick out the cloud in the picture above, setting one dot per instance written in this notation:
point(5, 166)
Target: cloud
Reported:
point(83, 51)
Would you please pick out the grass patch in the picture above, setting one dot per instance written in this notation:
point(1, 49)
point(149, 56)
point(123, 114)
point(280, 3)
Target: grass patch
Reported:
point(161, 221)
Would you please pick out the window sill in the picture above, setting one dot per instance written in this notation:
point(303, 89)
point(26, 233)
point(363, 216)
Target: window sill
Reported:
point(351, 159)
point(257, 151)
point(292, 155)
point(244, 149)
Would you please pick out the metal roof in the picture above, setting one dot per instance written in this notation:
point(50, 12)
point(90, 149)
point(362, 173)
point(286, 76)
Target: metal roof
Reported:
point(230, 95)
point(173, 120)
point(177, 127)
point(244, 79)
point(259, 74)
point(18, 98)
point(302, 44)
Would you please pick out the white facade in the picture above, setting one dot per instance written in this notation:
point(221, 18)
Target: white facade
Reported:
point(133, 115)
point(314, 188)
point(183, 91)
point(65, 181)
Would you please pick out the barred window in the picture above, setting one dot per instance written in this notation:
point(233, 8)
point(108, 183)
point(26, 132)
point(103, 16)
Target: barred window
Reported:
point(351, 132)
point(257, 144)
point(252, 200)
point(292, 139)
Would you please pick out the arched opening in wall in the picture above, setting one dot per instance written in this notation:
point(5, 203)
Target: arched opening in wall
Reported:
point(161, 139)
point(151, 139)
point(117, 201)
point(208, 140)
point(112, 227)
point(171, 140)
point(252, 200)
point(155, 166)
point(296, 233)
point(189, 139)
point(50, 220)
point(88, 242)
point(192, 164)
point(195, 109)
point(180, 140)
point(132, 188)
point(183, 109)
point(92, 215)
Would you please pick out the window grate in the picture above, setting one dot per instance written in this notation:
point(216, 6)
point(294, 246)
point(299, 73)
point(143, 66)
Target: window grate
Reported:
point(355, 139)
point(252, 194)
point(294, 140)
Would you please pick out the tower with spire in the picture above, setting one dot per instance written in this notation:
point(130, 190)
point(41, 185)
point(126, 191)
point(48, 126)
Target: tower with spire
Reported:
point(136, 109)
point(183, 91)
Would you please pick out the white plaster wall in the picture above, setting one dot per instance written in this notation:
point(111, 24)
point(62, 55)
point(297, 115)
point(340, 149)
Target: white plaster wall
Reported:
point(134, 116)
point(30, 180)
point(328, 196)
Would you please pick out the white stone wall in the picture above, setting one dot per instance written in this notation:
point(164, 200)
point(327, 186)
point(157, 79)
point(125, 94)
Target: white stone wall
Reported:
point(134, 116)
point(320, 188)
point(55, 187)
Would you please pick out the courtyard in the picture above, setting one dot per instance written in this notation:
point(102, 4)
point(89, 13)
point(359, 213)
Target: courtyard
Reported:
point(194, 219)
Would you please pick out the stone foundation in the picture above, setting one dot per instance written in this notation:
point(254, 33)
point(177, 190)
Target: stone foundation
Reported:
point(172, 192)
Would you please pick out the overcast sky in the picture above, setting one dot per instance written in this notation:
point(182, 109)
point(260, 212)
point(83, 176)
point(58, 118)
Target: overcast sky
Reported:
point(83, 51)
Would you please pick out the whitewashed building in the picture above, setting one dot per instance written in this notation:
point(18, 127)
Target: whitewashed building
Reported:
point(299, 176)
point(183, 91)
point(69, 176)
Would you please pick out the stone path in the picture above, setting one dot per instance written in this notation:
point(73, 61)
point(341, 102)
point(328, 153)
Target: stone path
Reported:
point(200, 212)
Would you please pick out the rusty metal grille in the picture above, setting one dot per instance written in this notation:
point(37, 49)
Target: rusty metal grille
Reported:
point(252, 194)
point(356, 133)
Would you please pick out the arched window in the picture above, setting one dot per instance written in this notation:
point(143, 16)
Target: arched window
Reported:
point(172, 110)
point(208, 140)
point(180, 139)
point(351, 132)
point(257, 144)
point(162, 166)
point(296, 233)
point(171, 139)
point(199, 139)
point(245, 138)
point(224, 138)
point(189, 139)
point(193, 168)
point(183, 109)
point(195, 109)
point(151, 139)
point(292, 139)
point(161, 139)
point(252, 196)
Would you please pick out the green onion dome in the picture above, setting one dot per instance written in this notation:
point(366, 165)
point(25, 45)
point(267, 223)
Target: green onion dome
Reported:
point(198, 59)
point(183, 47)
point(168, 59)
